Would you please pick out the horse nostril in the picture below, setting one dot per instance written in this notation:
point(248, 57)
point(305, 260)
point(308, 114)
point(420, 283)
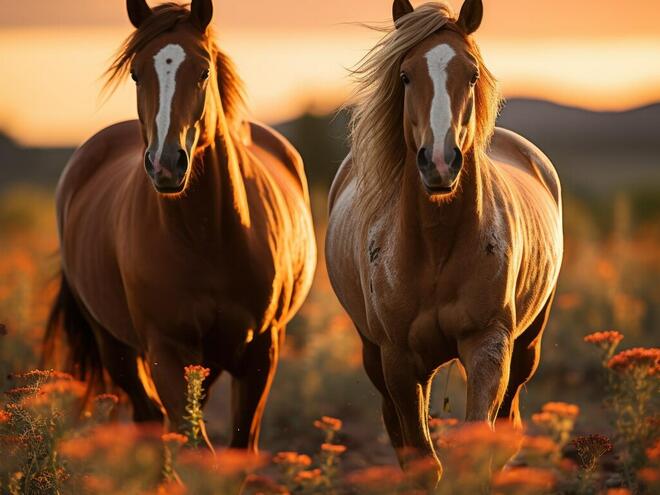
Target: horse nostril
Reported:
point(424, 157)
point(148, 164)
point(457, 162)
point(182, 162)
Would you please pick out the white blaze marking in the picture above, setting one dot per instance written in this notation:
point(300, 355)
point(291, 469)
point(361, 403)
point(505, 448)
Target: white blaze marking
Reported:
point(441, 116)
point(166, 62)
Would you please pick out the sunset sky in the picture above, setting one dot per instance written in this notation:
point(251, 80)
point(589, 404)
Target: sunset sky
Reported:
point(599, 54)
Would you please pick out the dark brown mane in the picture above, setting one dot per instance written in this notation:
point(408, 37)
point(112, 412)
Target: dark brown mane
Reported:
point(166, 17)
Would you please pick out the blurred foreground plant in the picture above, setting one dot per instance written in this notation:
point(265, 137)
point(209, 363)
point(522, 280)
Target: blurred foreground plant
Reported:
point(633, 383)
point(194, 427)
point(39, 411)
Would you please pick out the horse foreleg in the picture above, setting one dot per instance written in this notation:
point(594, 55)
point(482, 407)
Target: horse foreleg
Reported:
point(525, 360)
point(250, 390)
point(120, 361)
point(374, 367)
point(486, 357)
point(408, 394)
point(523, 365)
point(166, 362)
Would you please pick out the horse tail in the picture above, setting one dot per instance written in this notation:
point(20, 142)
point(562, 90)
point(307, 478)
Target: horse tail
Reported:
point(83, 358)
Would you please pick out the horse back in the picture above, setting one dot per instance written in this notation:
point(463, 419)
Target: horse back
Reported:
point(509, 147)
point(266, 139)
point(339, 182)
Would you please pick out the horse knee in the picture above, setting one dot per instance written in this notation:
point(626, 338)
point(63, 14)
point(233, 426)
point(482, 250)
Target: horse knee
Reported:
point(487, 359)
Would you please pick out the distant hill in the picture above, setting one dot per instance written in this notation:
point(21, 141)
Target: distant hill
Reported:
point(595, 152)
point(558, 123)
point(38, 166)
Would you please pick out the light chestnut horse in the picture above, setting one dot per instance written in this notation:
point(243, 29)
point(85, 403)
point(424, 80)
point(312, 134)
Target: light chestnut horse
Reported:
point(445, 234)
point(186, 236)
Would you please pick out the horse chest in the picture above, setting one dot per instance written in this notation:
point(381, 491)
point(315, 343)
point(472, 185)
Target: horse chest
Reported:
point(415, 292)
point(393, 290)
point(204, 292)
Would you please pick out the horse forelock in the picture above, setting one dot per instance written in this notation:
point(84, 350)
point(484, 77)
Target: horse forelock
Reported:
point(376, 127)
point(165, 18)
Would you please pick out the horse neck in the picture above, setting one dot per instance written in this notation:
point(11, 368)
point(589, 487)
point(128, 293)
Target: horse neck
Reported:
point(439, 222)
point(215, 199)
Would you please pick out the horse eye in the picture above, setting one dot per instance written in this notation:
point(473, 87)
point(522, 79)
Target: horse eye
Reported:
point(134, 76)
point(475, 78)
point(405, 79)
point(205, 75)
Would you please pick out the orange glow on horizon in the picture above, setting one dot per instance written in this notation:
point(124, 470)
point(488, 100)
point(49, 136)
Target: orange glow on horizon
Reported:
point(50, 94)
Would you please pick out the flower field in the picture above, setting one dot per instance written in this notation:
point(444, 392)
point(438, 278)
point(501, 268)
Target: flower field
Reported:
point(591, 416)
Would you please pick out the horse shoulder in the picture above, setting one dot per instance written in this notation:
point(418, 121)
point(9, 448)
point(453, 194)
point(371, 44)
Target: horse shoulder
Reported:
point(343, 248)
point(509, 147)
point(269, 140)
point(89, 160)
point(340, 180)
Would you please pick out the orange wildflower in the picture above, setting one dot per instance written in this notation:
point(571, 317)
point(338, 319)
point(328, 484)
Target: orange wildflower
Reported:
point(604, 339)
point(4, 416)
point(524, 477)
point(98, 484)
point(168, 488)
point(376, 476)
point(561, 409)
point(308, 475)
point(634, 360)
point(60, 388)
point(481, 434)
point(332, 448)
point(174, 439)
point(543, 418)
point(228, 462)
point(567, 465)
point(539, 444)
point(619, 491)
point(113, 441)
point(653, 452)
point(292, 458)
point(196, 372)
point(649, 475)
point(442, 422)
point(328, 423)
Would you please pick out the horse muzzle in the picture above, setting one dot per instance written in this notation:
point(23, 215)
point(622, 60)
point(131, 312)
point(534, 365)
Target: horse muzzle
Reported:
point(439, 175)
point(168, 171)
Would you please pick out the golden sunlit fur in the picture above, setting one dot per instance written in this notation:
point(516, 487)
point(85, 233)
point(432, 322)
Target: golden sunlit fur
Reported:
point(378, 147)
point(152, 282)
point(468, 273)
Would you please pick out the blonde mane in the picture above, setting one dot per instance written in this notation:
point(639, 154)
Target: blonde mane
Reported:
point(376, 127)
point(164, 18)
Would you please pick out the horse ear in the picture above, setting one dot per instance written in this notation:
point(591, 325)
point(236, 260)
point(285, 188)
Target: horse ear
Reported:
point(401, 8)
point(138, 11)
point(471, 14)
point(201, 13)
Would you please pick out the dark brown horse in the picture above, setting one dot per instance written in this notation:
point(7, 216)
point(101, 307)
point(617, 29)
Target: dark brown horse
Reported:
point(445, 234)
point(186, 237)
